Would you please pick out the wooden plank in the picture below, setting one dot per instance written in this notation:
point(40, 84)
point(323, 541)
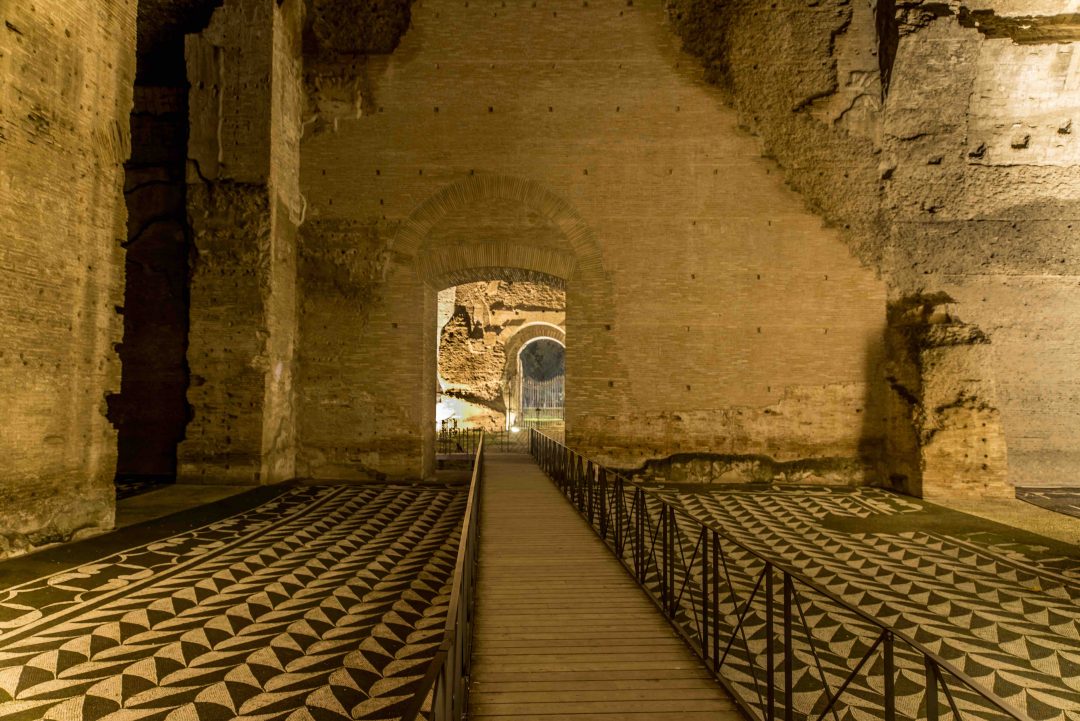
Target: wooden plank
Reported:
point(562, 631)
point(619, 706)
point(665, 656)
point(606, 664)
point(544, 685)
point(482, 646)
point(644, 716)
point(626, 695)
point(495, 674)
point(509, 652)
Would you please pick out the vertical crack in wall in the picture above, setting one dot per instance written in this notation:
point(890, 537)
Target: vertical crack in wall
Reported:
point(888, 41)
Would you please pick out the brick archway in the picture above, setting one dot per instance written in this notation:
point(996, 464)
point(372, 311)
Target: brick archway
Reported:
point(501, 227)
point(525, 335)
point(442, 266)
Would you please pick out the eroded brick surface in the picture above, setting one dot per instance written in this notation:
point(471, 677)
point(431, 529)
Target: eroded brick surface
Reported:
point(67, 69)
point(939, 138)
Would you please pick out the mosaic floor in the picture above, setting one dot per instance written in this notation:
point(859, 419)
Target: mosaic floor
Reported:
point(324, 603)
point(1004, 611)
point(1060, 500)
point(130, 486)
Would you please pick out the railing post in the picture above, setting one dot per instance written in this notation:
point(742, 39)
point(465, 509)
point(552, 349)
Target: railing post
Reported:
point(569, 466)
point(617, 500)
point(579, 479)
point(716, 600)
point(601, 474)
point(931, 690)
point(589, 490)
point(770, 650)
point(639, 532)
point(704, 541)
point(663, 560)
point(672, 540)
point(789, 686)
point(890, 678)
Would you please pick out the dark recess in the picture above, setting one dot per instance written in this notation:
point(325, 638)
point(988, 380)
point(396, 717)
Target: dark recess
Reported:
point(151, 412)
point(888, 41)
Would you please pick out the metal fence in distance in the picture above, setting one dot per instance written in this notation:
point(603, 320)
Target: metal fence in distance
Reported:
point(454, 440)
point(462, 441)
point(783, 645)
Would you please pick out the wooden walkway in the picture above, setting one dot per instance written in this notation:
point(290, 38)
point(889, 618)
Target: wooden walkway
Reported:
point(561, 630)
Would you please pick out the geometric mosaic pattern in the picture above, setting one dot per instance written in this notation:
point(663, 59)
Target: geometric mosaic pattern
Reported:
point(325, 603)
point(1013, 627)
point(129, 486)
point(1060, 500)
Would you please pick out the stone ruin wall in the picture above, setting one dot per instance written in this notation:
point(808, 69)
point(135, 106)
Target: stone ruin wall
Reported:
point(477, 323)
point(245, 207)
point(955, 175)
point(951, 177)
point(710, 310)
point(68, 67)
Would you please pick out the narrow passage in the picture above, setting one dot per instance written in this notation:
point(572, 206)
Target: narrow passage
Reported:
point(561, 630)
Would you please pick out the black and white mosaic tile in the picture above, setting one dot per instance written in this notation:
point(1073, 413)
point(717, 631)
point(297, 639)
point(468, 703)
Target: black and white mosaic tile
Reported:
point(1058, 499)
point(1010, 624)
point(131, 486)
point(324, 603)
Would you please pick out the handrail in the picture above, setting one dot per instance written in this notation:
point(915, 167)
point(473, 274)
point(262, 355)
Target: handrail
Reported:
point(586, 485)
point(447, 678)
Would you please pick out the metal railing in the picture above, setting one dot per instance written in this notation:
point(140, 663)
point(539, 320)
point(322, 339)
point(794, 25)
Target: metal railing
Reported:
point(451, 440)
point(444, 690)
point(803, 652)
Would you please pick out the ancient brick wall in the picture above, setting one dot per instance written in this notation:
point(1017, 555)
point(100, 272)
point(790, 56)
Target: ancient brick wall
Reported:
point(244, 203)
point(707, 308)
point(68, 68)
point(939, 138)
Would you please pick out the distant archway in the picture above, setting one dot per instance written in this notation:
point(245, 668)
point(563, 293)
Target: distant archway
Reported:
point(541, 384)
point(494, 228)
point(511, 373)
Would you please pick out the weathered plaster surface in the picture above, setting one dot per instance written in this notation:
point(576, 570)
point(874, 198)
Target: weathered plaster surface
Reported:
point(956, 175)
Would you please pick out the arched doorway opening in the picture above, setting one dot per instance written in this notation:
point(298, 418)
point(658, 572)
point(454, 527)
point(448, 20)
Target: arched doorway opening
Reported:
point(505, 228)
point(369, 410)
point(542, 373)
point(482, 328)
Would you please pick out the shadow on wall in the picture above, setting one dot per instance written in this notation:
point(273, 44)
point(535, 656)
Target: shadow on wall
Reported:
point(874, 414)
point(151, 411)
point(945, 437)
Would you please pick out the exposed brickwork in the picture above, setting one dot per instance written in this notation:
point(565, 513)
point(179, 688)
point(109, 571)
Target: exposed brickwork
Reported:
point(962, 180)
point(67, 68)
point(245, 206)
point(698, 286)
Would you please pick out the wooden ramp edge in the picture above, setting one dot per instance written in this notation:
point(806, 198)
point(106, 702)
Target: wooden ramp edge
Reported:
point(562, 631)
